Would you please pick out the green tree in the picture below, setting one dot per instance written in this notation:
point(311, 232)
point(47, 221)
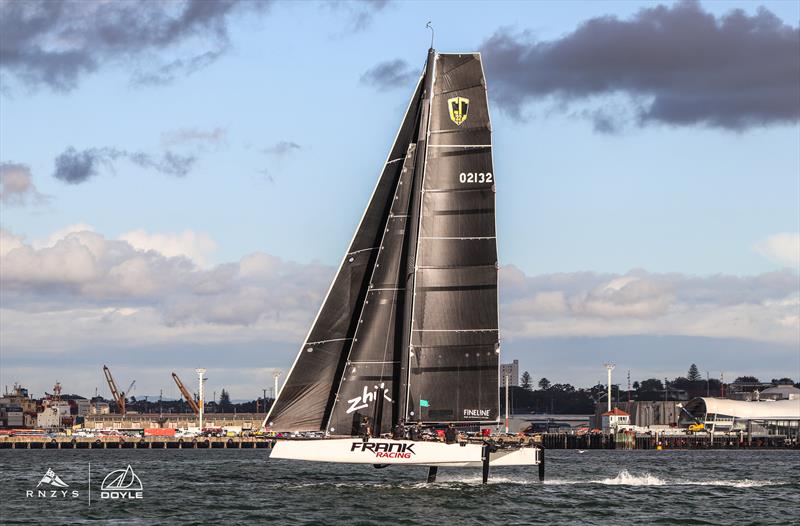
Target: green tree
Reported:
point(651, 384)
point(526, 381)
point(225, 401)
point(544, 384)
point(694, 374)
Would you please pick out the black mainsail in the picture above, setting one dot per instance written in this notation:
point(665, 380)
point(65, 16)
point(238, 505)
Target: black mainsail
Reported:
point(411, 317)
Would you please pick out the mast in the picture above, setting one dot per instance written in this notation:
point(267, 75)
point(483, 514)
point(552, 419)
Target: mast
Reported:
point(415, 217)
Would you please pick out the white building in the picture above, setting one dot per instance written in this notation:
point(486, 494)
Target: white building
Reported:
point(53, 415)
point(614, 419)
point(720, 414)
point(780, 392)
point(510, 370)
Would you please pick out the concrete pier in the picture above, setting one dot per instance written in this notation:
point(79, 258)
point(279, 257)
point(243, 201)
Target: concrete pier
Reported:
point(27, 442)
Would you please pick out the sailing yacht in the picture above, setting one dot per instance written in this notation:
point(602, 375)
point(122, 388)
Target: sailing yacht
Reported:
point(408, 331)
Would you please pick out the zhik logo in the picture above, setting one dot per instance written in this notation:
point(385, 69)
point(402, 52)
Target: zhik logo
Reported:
point(51, 479)
point(121, 484)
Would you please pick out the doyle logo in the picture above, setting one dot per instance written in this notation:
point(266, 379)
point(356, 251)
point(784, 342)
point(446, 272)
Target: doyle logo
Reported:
point(367, 397)
point(384, 449)
point(121, 484)
point(459, 108)
point(53, 481)
point(476, 413)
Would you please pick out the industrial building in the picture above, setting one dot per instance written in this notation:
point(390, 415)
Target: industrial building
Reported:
point(769, 417)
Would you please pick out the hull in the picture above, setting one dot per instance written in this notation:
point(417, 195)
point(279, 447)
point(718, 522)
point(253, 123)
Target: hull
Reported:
point(400, 452)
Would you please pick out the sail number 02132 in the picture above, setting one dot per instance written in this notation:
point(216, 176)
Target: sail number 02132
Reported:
point(475, 177)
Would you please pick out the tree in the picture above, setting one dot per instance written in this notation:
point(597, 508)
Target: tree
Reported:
point(694, 374)
point(544, 384)
point(635, 386)
point(225, 401)
point(747, 380)
point(526, 381)
point(651, 384)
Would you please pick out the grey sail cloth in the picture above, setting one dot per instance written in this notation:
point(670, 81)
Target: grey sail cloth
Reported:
point(412, 311)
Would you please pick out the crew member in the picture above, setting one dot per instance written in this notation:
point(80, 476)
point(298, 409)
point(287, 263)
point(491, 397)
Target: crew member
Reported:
point(415, 433)
point(365, 429)
point(451, 435)
point(400, 430)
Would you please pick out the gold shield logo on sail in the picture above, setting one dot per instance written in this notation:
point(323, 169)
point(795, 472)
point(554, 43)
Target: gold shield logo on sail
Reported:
point(459, 107)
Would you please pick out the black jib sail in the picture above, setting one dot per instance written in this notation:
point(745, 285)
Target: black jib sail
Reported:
point(411, 317)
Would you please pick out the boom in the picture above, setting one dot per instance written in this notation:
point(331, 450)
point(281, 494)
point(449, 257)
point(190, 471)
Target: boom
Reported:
point(115, 394)
point(186, 394)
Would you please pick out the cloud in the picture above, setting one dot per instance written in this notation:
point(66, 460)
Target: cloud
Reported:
point(281, 148)
point(783, 248)
point(55, 44)
point(390, 74)
point(183, 136)
point(146, 299)
point(360, 13)
point(678, 65)
point(196, 246)
point(180, 67)
point(75, 167)
point(16, 185)
point(757, 308)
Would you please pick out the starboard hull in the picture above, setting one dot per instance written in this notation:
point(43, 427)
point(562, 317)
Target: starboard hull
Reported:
point(379, 451)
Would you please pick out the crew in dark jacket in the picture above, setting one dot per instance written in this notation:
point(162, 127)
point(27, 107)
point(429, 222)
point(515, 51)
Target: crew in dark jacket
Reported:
point(399, 431)
point(451, 435)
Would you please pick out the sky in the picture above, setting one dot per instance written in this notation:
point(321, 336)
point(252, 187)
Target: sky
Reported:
point(180, 180)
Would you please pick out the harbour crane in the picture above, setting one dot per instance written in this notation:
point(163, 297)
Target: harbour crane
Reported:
point(118, 397)
point(189, 399)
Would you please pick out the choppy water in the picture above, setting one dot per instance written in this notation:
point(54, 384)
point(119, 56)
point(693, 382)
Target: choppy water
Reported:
point(244, 487)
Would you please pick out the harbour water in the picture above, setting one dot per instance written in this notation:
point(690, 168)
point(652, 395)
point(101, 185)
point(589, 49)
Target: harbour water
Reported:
point(243, 487)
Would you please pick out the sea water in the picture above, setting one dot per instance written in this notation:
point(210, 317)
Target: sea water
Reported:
point(245, 487)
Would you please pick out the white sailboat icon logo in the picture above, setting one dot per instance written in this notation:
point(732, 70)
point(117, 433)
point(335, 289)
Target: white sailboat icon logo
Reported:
point(122, 479)
point(52, 479)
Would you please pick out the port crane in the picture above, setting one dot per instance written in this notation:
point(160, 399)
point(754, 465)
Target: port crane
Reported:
point(189, 399)
point(116, 394)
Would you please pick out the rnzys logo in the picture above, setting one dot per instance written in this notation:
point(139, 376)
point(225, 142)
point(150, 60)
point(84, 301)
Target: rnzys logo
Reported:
point(367, 397)
point(54, 481)
point(121, 484)
point(459, 109)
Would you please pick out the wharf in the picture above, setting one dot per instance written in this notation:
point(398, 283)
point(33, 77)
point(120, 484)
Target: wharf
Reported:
point(629, 441)
point(35, 442)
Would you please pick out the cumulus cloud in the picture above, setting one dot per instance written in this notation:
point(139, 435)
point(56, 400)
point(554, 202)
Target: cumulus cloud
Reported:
point(783, 248)
point(55, 44)
point(80, 269)
point(390, 74)
point(75, 167)
point(196, 246)
point(758, 308)
point(679, 65)
point(16, 185)
point(147, 296)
